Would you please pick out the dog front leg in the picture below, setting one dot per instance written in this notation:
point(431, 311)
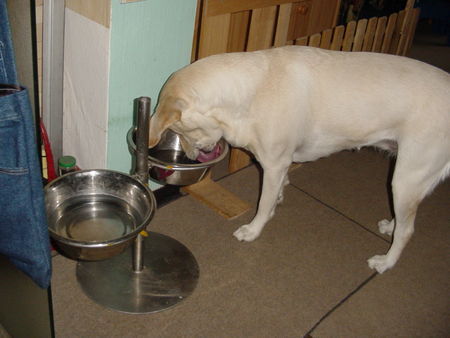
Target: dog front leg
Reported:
point(273, 183)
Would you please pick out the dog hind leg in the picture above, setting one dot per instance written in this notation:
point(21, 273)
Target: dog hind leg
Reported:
point(405, 212)
point(414, 177)
point(274, 178)
point(281, 194)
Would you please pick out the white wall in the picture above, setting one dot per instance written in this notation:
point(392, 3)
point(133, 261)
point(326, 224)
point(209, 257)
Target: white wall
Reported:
point(86, 80)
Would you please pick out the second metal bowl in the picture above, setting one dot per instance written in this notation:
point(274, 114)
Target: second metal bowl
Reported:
point(169, 164)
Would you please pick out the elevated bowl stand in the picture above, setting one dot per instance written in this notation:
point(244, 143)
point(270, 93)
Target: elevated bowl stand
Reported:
point(156, 273)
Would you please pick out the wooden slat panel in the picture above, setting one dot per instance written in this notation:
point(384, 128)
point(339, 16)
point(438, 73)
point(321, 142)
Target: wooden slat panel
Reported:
point(336, 12)
point(396, 35)
point(325, 41)
point(323, 12)
point(294, 166)
point(214, 35)
point(237, 37)
point(349, 36)
point(282, 29)
point(388, 33)
point(300, 19)
point(314, 40)
point(404, 31)
point(359, 35)
point(262, 28)
point(217, 7)
point(238, 159)
point(370, 33)
point(379, 32)
point(338, 38)
point(412, 30)
point(302, 41)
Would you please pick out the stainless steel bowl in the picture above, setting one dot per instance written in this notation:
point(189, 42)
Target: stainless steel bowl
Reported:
point(96, 214)
point(169, 164)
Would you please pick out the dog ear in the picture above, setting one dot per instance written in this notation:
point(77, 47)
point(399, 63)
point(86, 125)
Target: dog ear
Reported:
point(167, 114)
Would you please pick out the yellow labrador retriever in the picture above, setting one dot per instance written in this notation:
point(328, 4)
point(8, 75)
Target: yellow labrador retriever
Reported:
point(297, 104)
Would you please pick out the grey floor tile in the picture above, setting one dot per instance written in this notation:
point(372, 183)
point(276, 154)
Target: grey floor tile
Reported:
point(355, 183)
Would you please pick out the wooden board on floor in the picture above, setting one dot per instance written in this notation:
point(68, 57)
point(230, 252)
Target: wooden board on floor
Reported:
point(217, 198)
point(294, 166)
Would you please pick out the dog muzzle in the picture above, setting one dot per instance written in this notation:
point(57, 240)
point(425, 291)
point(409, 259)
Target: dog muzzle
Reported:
point(210, 155)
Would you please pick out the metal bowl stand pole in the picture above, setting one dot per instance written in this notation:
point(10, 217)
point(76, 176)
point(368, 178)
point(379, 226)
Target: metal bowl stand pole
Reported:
point(142, 132)
point(162, 272)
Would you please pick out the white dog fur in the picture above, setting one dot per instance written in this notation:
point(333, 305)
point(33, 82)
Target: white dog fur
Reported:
point(297, 104)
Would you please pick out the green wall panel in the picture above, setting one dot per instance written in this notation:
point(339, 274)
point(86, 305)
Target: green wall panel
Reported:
point(149, 40)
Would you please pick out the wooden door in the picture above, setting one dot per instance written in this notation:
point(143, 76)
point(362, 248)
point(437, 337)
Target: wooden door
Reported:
point(237, 25)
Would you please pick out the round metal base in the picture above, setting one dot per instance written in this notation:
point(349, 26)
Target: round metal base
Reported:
point(170, 275)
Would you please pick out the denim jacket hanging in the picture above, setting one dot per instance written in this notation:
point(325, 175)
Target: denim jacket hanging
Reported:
point(24, 235)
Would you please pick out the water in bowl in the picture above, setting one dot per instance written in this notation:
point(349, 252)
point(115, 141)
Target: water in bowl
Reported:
point(95, 218)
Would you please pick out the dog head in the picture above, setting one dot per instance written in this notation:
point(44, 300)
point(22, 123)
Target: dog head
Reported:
point(198, 131)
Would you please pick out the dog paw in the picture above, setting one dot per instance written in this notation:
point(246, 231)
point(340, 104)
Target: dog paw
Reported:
point(386, 227)
point(280, 198)
point(246, 233)
point(380, 263)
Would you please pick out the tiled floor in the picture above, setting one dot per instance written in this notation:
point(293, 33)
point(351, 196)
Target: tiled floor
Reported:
point(311, 257)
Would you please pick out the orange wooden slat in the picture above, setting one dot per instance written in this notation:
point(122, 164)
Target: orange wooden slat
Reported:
point(412, 30)
point(214, 35)
point(282, 28)
point(410, 4)
point(404, 31)
point(262, 27)
point(217, 7)
point(338, 38)
point(397, 30)
point(325, 40)
point(302, 41)
point(336, 12)
point(323, 12)
point(379, 33)
point(349, 36)
point(238, 160)
point(370, 34)
point(300, 20)
point(359, 35)
point(237, 36)
point(388, 33)
point(314, 40)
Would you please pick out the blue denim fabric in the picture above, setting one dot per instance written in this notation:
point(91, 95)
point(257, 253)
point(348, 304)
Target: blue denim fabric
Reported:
point(24, 235)
point(8, 72)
